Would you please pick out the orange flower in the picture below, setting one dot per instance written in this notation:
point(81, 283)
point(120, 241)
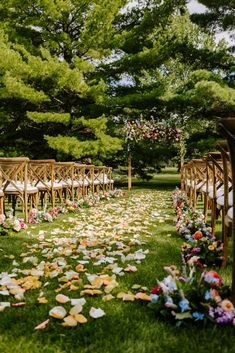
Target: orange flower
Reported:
point(226, 305)
point(197, 235)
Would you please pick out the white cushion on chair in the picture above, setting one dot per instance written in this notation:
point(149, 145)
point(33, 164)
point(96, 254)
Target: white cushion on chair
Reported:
point(15, 186)
point(230, 213)
point(218, 192)
point(220, 200)
point(82, 182)
point(199, 185)
point(41, 185)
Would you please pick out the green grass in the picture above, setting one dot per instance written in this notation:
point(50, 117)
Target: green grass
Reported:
point(128, 327)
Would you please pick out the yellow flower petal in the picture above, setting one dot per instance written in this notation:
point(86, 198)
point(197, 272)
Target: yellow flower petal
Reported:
point(43, 325)
point(76, 309)
point(70, 321)
point(58, 312)
point(80, 318)
point(61, 298)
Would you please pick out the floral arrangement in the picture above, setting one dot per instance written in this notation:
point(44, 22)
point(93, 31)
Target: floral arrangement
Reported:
point(200, 243)
point(72, 206)
point(192, 297)
point(11, 223)
point(112, 194)
point(179, 199)
point(36, 216)
point(151, 130)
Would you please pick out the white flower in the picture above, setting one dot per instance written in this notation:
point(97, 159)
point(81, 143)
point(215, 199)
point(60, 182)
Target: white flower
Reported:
point(16, 225)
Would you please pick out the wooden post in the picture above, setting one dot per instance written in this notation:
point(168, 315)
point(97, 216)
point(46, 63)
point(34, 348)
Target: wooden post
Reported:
point(228, 128)
point(129, 173)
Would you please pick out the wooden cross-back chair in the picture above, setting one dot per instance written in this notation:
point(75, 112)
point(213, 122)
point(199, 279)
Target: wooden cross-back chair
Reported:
point(99, 172)
point(110, 181)
point(89, 179)
point(208, 187)
point(227, 127)
point(42, 175)
point(198, 178)
point(216, 189)
point(79, 178)
point(65, 175)
point(225, 201)
point(188, 168)
point(15, 183)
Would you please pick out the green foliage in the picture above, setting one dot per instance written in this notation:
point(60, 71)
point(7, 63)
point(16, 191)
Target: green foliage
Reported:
point(48, 84)
point(220, 13)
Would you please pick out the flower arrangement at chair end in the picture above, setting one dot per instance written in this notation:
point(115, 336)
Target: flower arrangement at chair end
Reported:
point(11, 223)
point(36, 216)
point(191, 226)
point(195, 296)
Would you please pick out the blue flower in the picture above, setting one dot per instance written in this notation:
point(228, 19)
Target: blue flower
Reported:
point(208, 295)
point(211, 279)
point(184, 305)
point(154, 298)
point(170, 283)
point(198, 316)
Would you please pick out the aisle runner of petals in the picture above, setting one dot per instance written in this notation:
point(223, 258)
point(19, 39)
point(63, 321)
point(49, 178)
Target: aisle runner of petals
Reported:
point(87, 256)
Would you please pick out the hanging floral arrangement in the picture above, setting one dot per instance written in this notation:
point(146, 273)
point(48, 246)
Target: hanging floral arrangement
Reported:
point(151, 130)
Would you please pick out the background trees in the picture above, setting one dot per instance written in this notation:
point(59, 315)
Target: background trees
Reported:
point(73, 71)
point(51, 98)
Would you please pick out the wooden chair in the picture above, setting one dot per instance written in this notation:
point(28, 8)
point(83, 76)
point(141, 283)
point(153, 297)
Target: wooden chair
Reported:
point(217, 189)
point(227, 126)
point(16, 184)
point(198, 179)
point(225, 201)
point(110, 181)
point(79, 178)
point(98, 178)
point(89, 179)
point(64, 175)
point(42, 175)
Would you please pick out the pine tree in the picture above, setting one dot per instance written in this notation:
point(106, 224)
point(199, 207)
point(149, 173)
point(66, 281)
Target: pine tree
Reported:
point(49, 89)
point(220, 15)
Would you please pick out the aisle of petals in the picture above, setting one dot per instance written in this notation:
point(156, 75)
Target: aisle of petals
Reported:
point(85, 257)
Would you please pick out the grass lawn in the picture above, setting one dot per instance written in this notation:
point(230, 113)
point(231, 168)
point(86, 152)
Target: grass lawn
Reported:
point(122, 229)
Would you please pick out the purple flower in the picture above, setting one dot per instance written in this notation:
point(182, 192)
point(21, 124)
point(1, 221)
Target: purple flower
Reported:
point(196, 250)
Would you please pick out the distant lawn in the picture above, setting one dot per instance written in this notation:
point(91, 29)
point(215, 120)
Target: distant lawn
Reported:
point(166, 180)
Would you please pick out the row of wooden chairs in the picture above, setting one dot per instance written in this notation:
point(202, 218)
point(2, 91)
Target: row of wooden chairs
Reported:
point(211, 179)
point(30, 180)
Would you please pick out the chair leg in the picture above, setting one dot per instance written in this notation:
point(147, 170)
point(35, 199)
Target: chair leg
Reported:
point(206, 205)
point(224, 238)
point(213, 215)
